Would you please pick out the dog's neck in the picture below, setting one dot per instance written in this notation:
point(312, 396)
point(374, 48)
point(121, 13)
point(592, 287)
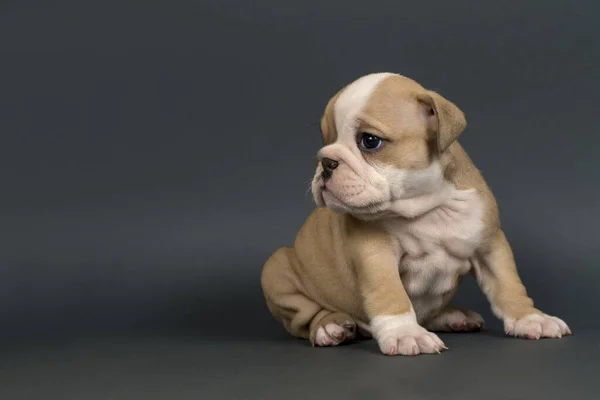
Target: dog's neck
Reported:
point(445, 194)
point(417, 206)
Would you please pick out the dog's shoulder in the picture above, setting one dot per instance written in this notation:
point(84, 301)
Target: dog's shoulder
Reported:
point(462, 172)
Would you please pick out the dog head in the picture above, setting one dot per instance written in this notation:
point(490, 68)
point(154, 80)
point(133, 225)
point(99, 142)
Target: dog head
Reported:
point(383, 135)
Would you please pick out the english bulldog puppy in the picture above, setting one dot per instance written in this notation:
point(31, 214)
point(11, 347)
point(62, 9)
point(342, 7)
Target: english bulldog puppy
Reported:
point(403, 214)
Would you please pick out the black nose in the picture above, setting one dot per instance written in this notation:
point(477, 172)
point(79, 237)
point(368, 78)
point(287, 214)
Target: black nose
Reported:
point(328, 166)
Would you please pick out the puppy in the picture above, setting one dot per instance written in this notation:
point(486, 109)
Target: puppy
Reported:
point(403, 214)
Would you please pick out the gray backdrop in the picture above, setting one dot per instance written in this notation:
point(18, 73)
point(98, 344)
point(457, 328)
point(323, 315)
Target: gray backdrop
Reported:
point(155, 153)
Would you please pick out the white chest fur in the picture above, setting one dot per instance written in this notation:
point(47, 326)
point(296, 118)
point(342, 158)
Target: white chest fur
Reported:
point(435, 248)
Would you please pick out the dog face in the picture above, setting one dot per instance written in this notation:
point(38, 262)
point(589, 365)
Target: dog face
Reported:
point(383, 136)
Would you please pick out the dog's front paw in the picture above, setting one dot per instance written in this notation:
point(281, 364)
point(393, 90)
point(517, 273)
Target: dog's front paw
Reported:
point(399, 335)
point(535, 326)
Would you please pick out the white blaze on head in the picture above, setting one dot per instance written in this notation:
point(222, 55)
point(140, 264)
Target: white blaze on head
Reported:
point(352, 101)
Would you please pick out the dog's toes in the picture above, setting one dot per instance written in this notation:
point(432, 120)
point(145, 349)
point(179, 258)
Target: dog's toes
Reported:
point(333, 331)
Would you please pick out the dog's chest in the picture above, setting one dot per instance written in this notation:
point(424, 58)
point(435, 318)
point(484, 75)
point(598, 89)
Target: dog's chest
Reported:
point(435, 248)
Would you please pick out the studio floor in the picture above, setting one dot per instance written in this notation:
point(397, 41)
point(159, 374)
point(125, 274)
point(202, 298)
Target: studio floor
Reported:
point(274, 366)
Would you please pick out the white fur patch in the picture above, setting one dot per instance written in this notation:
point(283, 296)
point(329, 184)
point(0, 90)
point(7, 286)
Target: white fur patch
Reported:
point(351, 102)
point(412, 184)
point(401, 334)
point(536, 326)
point(436, 246)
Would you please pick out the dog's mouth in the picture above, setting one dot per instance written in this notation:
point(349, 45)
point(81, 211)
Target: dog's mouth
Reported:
point(323, 194)
point(325, 191)
point(371, 210)
point(318, 187)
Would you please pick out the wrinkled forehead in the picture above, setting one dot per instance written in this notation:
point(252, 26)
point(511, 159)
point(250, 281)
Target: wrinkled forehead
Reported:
point(354, 98)
point(379, 98)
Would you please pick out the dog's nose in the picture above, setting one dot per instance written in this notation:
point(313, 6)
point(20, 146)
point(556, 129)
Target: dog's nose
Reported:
point(328, 166)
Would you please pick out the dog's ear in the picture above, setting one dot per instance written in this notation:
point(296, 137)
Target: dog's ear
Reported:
point(444, 119)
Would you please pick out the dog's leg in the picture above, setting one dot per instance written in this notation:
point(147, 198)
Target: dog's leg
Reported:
point(455, 319)
point(393, 322)
point(300, 315)
point(496, 273)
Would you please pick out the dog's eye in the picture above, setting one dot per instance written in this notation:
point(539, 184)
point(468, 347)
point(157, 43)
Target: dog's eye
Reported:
point(370, 142)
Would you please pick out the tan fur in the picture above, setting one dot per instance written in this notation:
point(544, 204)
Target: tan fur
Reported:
point(328, 129)
point(346, 267)
point(447, 120)
point(392, 106)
